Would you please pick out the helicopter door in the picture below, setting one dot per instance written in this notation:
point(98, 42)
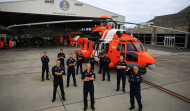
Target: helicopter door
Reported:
point(121, 48)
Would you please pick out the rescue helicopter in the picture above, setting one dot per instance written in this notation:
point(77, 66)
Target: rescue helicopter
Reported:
point(115, 42)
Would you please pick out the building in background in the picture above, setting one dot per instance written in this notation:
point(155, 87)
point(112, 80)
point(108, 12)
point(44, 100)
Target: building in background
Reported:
point(157, 36)
point(33, 11)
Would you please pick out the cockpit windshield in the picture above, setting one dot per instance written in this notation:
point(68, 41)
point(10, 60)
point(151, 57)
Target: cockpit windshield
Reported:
point(131, 47)
point(139, 46)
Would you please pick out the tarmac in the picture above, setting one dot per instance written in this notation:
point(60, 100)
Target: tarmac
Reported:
point(21, 88)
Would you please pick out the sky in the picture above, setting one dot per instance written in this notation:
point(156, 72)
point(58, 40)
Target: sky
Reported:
point(138, 11)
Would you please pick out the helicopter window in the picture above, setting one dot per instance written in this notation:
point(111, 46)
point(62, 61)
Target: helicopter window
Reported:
point(123, 47)
point(88, 45)
point(83, 44)
point(119, 47)
point(131, 47)
point(107, 47)
point(139, 46)
point(122, 41)
point(130, 41)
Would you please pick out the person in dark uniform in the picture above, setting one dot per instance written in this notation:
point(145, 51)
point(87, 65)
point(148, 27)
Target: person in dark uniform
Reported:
point(106, 61)
point(88, 76)
point(45, 66)
point(79, 61)
point(57, 72)
point(101, 56)
point(61, 57)
point(91, 61)
point(135, 79)
point(71, 63)
point(121, 73)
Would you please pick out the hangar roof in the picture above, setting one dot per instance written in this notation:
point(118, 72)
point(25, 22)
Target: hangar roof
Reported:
point(30, 11)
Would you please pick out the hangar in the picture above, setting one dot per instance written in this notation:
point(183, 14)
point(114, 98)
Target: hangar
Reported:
point(35, 11)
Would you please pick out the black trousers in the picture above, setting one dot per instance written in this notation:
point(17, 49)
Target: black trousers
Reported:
point(55, 85)
point(43, 70)
point(79, 64)
point(135, 93)
point(101, 67)
point(86, 90)
point(62, 63)
point(106, 69)
point(71, 72)
point(92, 67)
point(121, 75)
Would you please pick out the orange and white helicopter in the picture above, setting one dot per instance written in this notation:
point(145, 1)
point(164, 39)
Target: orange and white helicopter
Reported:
point(115, 42)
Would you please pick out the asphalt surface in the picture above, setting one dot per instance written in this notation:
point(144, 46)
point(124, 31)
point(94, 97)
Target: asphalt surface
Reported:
point(21, 88)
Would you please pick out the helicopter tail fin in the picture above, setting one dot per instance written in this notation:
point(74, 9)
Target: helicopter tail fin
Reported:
point(72, 39)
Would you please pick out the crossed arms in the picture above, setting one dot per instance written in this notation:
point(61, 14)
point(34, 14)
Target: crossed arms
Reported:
point(89, 78)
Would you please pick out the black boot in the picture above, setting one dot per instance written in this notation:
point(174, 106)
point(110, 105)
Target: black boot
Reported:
point(93, 108)
point(47, 78)
point(140, 107)
point(131, 108)
point(42, 79)
point(117, 89)
point(53, 100)
point(124, 90)
point(63, 97)
point(85, 108)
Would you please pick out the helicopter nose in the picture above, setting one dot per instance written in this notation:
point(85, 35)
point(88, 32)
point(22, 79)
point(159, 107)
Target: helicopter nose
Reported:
point(148, 60)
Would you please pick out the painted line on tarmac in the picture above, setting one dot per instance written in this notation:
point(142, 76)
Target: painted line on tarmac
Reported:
point(168, 91)
point(19, 74)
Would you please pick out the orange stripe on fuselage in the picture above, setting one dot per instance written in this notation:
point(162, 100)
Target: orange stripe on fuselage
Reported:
point(105, 34)
point(94, 52)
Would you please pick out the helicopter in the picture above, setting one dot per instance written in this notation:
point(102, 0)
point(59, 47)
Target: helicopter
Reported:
point(115, 42)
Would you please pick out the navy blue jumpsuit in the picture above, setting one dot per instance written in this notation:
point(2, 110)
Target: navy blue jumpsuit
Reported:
point(121, 73)
point(45, 66)
point(71, 70)
point(91, 61)
point(101, 61)
point(135, 81)
point(79, 62)
point(106, 61)
point(62, 60)
point(58, 80)
point(88, 87)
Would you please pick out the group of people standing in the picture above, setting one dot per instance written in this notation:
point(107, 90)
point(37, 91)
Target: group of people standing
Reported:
point(88, 75)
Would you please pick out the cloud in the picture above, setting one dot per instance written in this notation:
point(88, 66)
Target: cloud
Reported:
point(140, 10)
